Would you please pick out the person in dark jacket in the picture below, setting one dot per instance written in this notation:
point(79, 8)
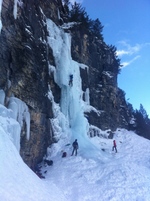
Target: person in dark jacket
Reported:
point(75, 147)
point(114, 146)
point(71, 80)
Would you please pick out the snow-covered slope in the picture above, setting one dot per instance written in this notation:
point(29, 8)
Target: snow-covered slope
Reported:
point(18, 182)
point(123, 176)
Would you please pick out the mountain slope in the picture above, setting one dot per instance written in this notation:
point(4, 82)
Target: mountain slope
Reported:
point(18, 182)
point(115, 176)
point(106, 176)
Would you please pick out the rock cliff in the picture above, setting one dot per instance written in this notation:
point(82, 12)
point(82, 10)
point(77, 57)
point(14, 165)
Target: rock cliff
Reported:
point(25, 57)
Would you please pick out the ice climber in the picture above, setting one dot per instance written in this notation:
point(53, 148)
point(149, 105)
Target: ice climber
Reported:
point(114, 146)
point(75, 147)
point(71, 80)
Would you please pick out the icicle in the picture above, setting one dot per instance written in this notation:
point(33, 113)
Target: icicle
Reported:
point(1, 1)
point(2, 96)
point(27, 120)
point(20, 113)
point(10, 126)
point(15, 9)
point(87, 96)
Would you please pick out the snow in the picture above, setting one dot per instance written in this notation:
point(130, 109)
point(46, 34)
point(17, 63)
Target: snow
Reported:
point(18, 182)
point(69, 25)
point(123, 176)
point(96, 173)
point(107, 73)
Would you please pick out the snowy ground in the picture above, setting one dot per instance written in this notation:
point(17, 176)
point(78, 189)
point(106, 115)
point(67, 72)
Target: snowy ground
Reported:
point(123, 176)
point(113, 177)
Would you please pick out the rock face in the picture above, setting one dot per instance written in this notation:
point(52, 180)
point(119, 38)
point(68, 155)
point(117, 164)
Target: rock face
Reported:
point(24, 73)
point(24, 63)
point(105, 95)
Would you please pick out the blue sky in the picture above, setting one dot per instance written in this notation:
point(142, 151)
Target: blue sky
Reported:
point(127, 26)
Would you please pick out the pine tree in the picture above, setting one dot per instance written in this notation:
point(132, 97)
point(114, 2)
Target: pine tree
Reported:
point(66, 4)
point(143, 122)
point(97, 28)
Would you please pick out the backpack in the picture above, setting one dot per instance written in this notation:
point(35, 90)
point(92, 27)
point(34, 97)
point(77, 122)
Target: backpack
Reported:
point(75, 145)
point(71, 77)
point(64, 154)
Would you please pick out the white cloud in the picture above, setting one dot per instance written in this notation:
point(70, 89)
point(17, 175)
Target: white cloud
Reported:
point(122, 52)
point(127, 63)
point(77, 1)
point(127, 49)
